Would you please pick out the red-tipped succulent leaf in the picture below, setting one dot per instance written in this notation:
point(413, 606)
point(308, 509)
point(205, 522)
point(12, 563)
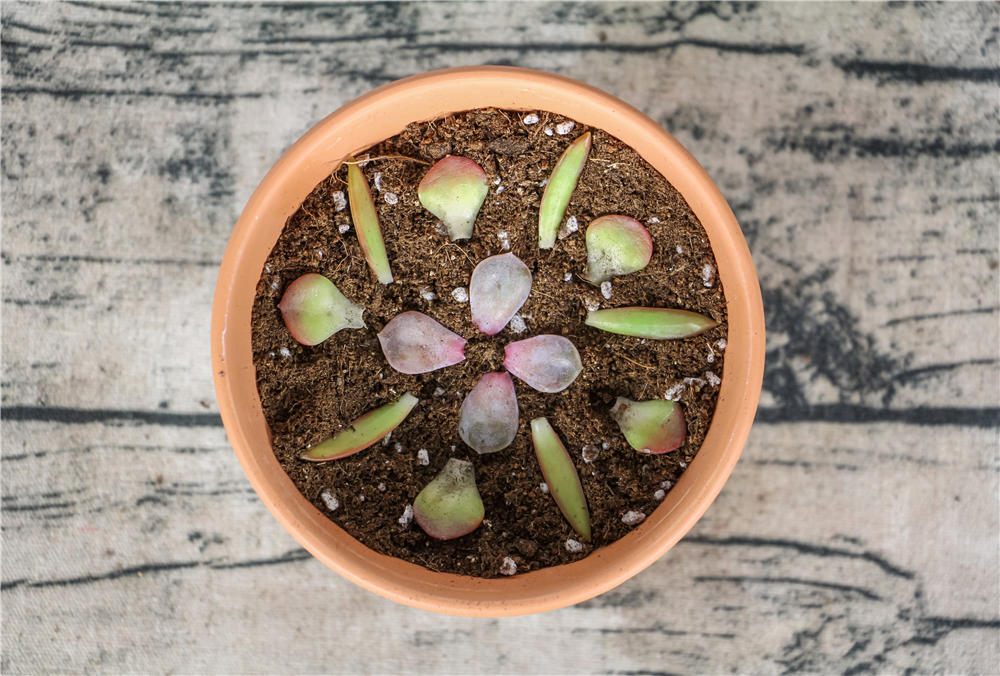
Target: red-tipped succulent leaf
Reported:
point(655, 426)
point(497, 290)
point(488, 419)
point(366, 223)
point(650, 322)
point(413, 343)
point(616, 245)
point(363, 432)
point(449, 506)
point(546, 363)
point(314, 309)
point(561, 476)
point(560, 188)
point(454, 190)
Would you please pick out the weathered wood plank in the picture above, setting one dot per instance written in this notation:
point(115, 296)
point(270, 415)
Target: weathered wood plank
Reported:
point(857, 144)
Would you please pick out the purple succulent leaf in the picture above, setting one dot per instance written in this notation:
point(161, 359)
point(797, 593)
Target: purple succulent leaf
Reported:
point(414, 343)
point(499, 287)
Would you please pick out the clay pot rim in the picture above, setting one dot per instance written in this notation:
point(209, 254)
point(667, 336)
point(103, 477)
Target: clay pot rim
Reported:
point(379, 114)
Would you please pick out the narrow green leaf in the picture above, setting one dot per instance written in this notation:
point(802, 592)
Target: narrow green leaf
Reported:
point(560, 474)
point(649, 322)
point(366, 222)
point(363, 432)
point(560, 188)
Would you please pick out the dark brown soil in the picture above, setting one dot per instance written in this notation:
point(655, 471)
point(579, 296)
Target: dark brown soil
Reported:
point(308, 393)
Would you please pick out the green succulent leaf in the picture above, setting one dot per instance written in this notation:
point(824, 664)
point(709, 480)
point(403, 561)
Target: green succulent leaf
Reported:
point(449, 506)
point(363, 432)
point(655, 426)
point(560, 188)
point(616, 245)
point(648, 322)
point(314, 309)
point(454, 190)
point(561, 477)
point(366, 222)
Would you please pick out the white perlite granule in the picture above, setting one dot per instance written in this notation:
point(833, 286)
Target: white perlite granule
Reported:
point(680, 249)
point(564, 128)
point(423, 457)
point(508, 567)
point(385, 439)
point(544, 487)
point(666, 484)
point(378, 181)
point(712, 379)
point(276, 285)
point(517, 324)
point(708, 275)
point(659, 494)
point(339, 201)
point(633, 518)
point(500, 189)
point(572, 224)
point(573, 547)
point(531, 119)
point(427, 294)
point(549, 131)
point(440, 228)
point(407, 517)
point(504, 240)
point(398, 447)
point(461, 294)
point(330, 500)
point(591, 305)
point(438, 392)
point(590, 453)
point(381, 487)
point(568, 277)
point(343, 227)
point(721, 344)
point(605, 445)
point(606, 290)
point(390, 198)
point(696, 382)
point(654, 219)
point(285, 352)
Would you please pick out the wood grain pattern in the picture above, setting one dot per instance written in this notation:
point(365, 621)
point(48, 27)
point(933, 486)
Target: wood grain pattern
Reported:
point(858, 147)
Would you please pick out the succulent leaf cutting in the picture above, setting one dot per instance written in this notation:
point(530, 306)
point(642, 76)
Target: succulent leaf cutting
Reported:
point(454, 190)
point(655, 426)
point(560, 188)
point(366, 223)
point(450, 505)
point(650, 322)
point(547, 363)
point(363, 432)
point(415, 343)
point(313, 309)
point(561, 477)
point(497, 290)
point(488, 419)
point(616, 246)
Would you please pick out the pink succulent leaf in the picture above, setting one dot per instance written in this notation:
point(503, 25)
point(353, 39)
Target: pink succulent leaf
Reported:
point(546, 363)
point(450, 506)
point(616, 246)
point(488, 420)
point(363, 432)
point(414, 343)
point(497, 290)
point(454, 190)
point(314, 309)
point(655, 426)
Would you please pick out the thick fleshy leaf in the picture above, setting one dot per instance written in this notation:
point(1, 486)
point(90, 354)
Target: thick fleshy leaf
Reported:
point(497, 290)
point(366, 223)
point(488, 420)
point(616, 246)
point(314, 309)
point(655, 426)
point(560, 188)
point(454, 190)
point(650, 322)
point(561, 477)
point(363, 432)
point(547, 363)
point(449, 506)
point(412, 343)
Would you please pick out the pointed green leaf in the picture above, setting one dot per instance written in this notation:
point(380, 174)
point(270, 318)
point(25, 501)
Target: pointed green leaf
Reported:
point(649, 322)
point(449, 506)
point(655, 426)
point(314, 309)
point(560, 188)
point(363, 432)
point(366, 222)
point(561, 477)
point(454, 190)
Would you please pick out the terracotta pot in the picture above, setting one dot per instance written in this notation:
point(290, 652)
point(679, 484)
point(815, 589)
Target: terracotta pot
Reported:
point(381, 114)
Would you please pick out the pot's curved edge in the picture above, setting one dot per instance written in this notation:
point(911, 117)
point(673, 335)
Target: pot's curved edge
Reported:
point(752, 374)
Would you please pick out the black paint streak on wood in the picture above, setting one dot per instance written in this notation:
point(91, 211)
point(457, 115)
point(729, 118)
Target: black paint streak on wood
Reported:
point(941, 315)
point(918, 373)
point(986, 417)
point(802, 548)
point(81, 416)
point(293, 555)
point(917, 73)
point(76, 94)
point(741, 47)
point(740, 579)
point(36, 508)
point(70, 258)
point(825, 146)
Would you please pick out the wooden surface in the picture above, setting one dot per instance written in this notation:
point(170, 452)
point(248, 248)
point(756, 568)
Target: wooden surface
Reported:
point(858, 147)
